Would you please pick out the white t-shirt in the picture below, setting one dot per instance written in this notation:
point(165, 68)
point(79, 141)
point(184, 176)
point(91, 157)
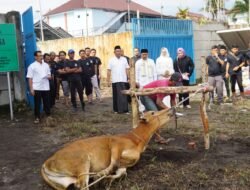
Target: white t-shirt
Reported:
point(145, 72)
point(39, 73)
point(118, 69)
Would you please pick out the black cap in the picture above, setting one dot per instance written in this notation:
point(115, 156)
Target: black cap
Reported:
point(177, 79)
point(144, 50)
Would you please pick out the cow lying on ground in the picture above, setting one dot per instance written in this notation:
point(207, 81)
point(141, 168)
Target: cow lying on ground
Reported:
point(105, 155)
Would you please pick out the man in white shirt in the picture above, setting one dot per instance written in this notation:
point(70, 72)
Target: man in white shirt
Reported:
point(145, 70)
point(118, 68)
point(39, 75)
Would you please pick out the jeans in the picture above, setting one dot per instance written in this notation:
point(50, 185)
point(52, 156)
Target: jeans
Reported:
point(217, 82)
point(185, 95)
point(149, 103)
point(76, 85)
point(237, 78)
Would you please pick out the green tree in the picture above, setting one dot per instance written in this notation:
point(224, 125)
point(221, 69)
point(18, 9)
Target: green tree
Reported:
point(240, 7)
point(183, 13)
point(213, 7)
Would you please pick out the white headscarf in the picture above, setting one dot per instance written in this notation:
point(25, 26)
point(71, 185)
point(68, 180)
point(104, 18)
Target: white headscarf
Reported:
point(164, 63)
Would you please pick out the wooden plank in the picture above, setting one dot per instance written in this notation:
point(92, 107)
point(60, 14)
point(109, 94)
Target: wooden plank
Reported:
point(134, 104)
point(168, 90)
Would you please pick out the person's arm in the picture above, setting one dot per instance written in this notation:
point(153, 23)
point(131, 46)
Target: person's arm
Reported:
point(157, 66)
point(137, 73)
point(69, 70)
point(175, 66)
point(227, 70)
point(160, 103)
point(172, 100)
point(191, 66)
point(49, 76)
point(154, 70)
point(31, 86)
point(108, 77)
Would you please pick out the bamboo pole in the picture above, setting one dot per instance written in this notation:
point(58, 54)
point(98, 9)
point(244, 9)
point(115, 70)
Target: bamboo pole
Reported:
point(167, 90)
point(134, 106)
point(204, 118)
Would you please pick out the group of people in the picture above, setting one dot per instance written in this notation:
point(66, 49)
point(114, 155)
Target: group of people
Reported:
point(225, 67)
point(148, 74)
point(50, 71)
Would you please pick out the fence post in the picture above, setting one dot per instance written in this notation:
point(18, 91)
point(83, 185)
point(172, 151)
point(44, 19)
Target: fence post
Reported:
point(135, 114)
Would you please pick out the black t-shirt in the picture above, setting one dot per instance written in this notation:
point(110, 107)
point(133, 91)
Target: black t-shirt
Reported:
point(234, 61)
point(224, 66)
point(88, 67)
point(214, 67)
point(97, 62)
point(73, 64)
point(61, 65)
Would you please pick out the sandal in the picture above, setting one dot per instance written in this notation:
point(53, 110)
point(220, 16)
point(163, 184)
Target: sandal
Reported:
point(161, 141)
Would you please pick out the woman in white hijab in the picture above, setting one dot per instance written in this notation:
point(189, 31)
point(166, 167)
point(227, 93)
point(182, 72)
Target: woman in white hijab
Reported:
point(164, 63)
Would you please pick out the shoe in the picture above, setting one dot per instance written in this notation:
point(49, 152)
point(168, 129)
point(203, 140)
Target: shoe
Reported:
point(188, 107)
point(74, 109)
point(115, 112)
point(36, 121)
point(127, 113)
point(181, 106)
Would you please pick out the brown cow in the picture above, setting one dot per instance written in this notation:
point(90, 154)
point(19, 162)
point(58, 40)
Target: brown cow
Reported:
point(104, 155)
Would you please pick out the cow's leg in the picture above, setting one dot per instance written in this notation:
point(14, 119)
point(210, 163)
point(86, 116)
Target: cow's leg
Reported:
point(119, 173)
point(83, 178)
point(115, 158)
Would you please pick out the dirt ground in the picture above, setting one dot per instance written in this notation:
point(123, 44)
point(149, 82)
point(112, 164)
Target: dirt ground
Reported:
point(25, 146)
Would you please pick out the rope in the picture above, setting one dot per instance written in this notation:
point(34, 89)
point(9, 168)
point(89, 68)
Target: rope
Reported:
point(96, 181)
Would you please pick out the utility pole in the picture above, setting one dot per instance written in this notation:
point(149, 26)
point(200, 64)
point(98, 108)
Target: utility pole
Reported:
point(41, 21)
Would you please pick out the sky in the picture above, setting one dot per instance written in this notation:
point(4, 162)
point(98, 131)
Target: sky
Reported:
point(170, 7)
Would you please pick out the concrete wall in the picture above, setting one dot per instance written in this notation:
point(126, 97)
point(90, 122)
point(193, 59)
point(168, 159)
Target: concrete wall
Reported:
point(204, 37)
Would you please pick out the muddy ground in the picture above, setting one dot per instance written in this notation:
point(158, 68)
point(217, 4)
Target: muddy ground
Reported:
point(25, 146)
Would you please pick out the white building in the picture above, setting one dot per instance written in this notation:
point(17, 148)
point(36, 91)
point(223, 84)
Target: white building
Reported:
point(95, 17)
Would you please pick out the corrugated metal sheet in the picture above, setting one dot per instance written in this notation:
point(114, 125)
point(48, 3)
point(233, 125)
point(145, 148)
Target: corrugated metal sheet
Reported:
point(241, 37)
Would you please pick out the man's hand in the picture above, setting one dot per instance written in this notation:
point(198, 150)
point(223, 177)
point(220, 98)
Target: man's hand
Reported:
point(32, 92)
point(236, 68)
point(227, 75)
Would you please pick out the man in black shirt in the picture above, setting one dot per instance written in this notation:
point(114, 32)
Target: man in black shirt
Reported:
point(98, 63)
point(63, 76)
point(236, 62)
point(74, 69)
point(88, 71)
point(225, 75)
point(136, 56)
point(214, 69)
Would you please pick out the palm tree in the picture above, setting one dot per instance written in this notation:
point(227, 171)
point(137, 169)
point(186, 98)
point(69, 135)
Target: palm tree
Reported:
point(214, 7)
point(183, 13)
point(240, 7)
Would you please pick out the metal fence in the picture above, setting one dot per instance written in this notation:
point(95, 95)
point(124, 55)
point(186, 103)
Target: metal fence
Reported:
point(154, 34)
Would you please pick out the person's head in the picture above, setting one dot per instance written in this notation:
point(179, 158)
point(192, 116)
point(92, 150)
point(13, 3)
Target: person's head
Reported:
point(144, 54)
point(56, 59)
point(93, 52)
point(82, 54)
point(175, 79)
point(181, 53)
point(235, 49)
point(117, 51)
point(62, 55)
point(164, 52)
point(71, 54)
point(38, 56)
point(136, 51)
point(223, 50)
point(46, 58)
point(52, 56)
point(87, 51)
point(214, 50)
point(122, 52)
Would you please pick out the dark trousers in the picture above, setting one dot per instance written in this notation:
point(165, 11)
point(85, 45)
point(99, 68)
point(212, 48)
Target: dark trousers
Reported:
point(52, 93)
point(76, 86)
point(57, 83)
point(237, 78)
point(120, 101)
point(185, 95)
point(227, 82)
point(42, 96)
point(87, 85)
